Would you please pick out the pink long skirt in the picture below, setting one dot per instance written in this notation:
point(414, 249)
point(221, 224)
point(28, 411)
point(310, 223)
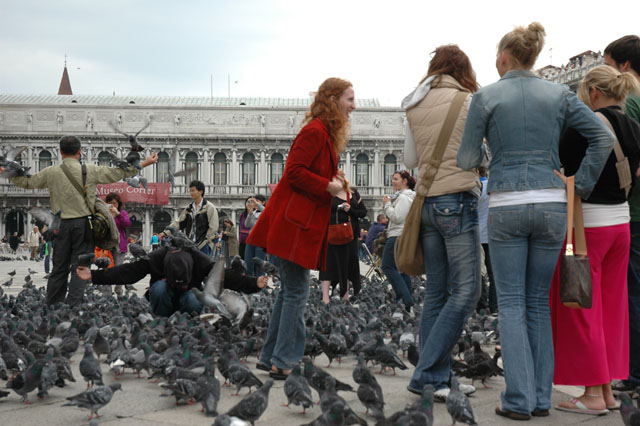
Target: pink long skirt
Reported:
point(591, 346)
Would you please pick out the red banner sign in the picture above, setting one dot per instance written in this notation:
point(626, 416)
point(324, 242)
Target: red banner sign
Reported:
point(158, 193)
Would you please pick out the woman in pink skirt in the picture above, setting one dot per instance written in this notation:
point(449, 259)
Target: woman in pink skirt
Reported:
point(592, 345)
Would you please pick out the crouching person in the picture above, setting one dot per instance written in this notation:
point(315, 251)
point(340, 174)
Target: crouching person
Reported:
point(173, 273)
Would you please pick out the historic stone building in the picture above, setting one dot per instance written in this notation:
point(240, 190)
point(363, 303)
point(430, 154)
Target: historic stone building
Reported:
point(238, 145)
point(572, 73)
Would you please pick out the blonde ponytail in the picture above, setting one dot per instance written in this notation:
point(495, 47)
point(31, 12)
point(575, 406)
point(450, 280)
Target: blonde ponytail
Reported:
point(610, 82)
point(524, 44)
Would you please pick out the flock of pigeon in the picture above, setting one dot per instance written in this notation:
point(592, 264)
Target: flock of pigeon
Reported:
point(193, 357)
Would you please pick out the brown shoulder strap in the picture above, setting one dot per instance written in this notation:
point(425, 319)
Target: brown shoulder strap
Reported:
point(81, 190)
point(574, 213)
point(624, 173)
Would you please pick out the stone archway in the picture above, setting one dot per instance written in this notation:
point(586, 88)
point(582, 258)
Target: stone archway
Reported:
point(15, 222)
point(161, 219)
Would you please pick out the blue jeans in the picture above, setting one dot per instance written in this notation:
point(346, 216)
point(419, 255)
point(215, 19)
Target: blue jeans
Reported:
point(401, 283)
point(451, 245)
point(525, 242)
point(249, 253)
point(162, 299)
point(206, 249)
point(46, 264)
point(633, 282)
point(284, 344)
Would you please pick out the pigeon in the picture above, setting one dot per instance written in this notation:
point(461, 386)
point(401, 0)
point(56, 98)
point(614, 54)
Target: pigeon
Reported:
point(630, 414)
point(94, 399)
point(90, 367)
point(27, 380)
point(184, 390)
point(172, 174)
point(52, 221)
point(483, 370)
point(458, 405)
point(102, 262)
point(237, 304)
point(413, 355)
point(387, 357)
point(135, 146)
point(31, 271)
point(8, 283)
point(252, 406)
point(297, 390)
point(265, 266)
point(49, 375)
point(11, 167)
point(138, 252)
point(4, 394)
point(133, 181)
point(334, 416)
point(329, 396)
point(476, 355)
point(12, 273)
point(208, 390)
point(242, 376)
point(3, 370)
point(224, 420)
point(316, 377)
point(370, 394)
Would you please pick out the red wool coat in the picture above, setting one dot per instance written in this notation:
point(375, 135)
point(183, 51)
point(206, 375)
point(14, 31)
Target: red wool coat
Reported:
point(294, 224)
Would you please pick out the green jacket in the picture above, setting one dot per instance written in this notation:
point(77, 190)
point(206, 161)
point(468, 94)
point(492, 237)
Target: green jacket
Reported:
point(63, 194)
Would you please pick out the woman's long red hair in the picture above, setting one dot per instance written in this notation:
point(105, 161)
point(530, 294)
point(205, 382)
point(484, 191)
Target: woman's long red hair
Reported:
point(326, 109)
point(451, 60)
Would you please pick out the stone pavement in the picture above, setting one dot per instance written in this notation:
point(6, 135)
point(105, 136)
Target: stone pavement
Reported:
point(140, 402)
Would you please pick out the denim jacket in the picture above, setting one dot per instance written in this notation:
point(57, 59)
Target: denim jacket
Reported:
point(523, 117)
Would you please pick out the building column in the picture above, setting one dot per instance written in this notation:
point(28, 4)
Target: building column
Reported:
point(262, 169)
point(376, 178)
point(234, 167)
point(347, 166)
point(146, 228)
point(89, 156)
point(205, 168)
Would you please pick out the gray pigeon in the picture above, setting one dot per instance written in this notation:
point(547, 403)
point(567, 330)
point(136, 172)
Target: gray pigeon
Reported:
point(11, 167)
point(52, 221)
point(137, 251)
point(208, 390)
point(316, 377)
point(90, 367)
point(297, 390)
point(630, 414)
point(94, 399)
point(458, 405)
point(330, 396)
point(184, 390)
point(370, 394)
point(252, 406)
point(3, 370)
point(242, 376)
point(49, 375)
point(267, 267)
point(334, 416)
point(224, 420)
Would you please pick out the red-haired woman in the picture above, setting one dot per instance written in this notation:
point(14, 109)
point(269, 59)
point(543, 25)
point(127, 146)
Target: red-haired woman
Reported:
point(293, 226)
point(449, 229)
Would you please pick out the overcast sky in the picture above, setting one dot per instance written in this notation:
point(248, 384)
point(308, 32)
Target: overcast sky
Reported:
point(276, 48)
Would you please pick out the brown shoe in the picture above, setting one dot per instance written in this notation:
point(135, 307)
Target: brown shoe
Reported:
point(512, 414)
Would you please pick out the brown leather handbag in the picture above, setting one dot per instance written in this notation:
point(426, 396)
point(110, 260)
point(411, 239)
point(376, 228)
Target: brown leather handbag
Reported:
point(575, 270)
point(340, 233)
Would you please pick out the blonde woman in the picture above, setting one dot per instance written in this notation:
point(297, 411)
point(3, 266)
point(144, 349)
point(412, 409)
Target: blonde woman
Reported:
point(592, 345)
point(521, 117)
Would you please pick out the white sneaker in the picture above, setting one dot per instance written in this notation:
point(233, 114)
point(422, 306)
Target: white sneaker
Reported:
point(467, 389)
point(441, 394)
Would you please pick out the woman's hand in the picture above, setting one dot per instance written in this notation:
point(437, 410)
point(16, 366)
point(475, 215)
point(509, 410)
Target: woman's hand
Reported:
point(346, 207)
point(114, 211)
point(385, 199)
point(83, 272)
point(334, 186)
point(561, 176)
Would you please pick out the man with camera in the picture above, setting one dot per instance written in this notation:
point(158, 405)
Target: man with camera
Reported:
point(199, 220)
point(75, 235)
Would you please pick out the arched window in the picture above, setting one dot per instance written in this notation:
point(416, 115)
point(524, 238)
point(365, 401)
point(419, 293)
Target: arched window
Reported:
point(362, 170)
point(220, 169)
point(161, 220)
point(104, 159)
point(191, 162)
point(248, 169)
point(277, 167)
point(162, 167)
point(44, 160)
point(390, 165)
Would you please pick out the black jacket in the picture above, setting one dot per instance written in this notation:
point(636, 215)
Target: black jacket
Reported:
point(130, 273)
point(573, 147)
